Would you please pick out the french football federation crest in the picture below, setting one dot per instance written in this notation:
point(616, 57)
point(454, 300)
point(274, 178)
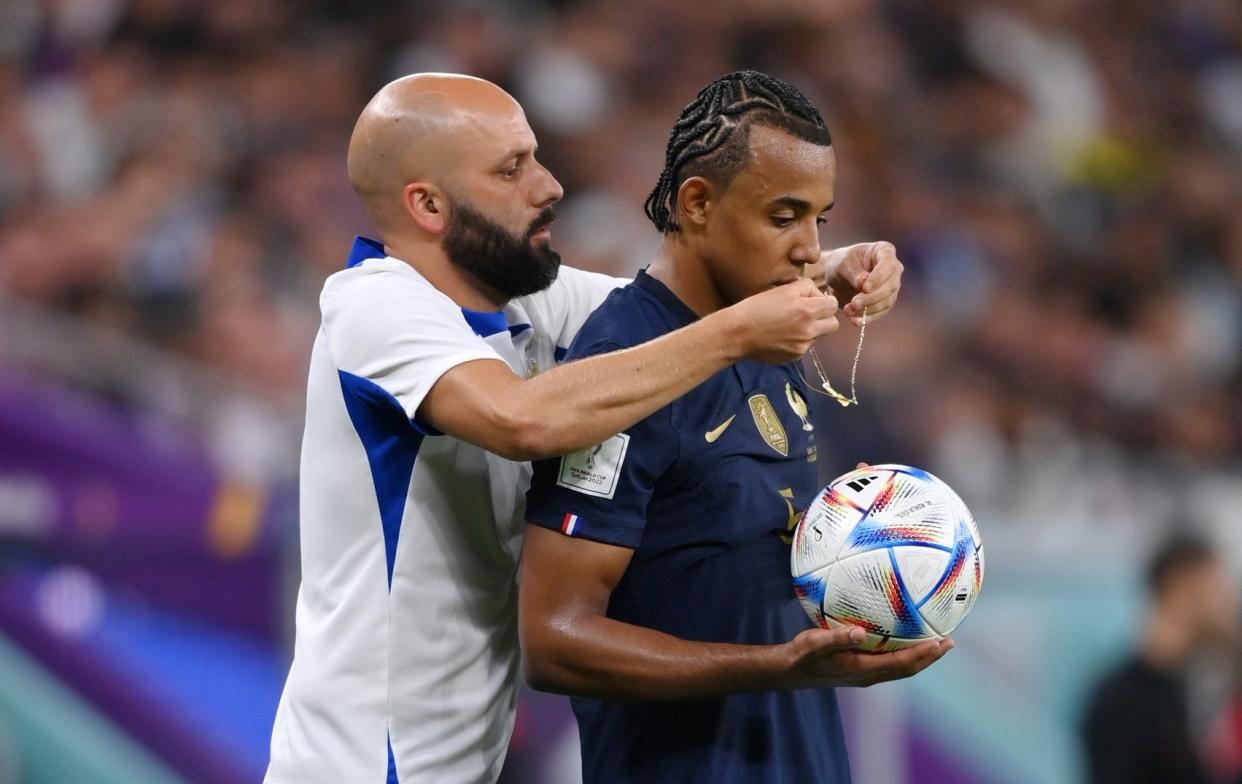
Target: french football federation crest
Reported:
point(798, 404)
point(769, 424)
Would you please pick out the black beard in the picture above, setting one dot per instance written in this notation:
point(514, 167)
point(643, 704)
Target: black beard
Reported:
point(510, 265)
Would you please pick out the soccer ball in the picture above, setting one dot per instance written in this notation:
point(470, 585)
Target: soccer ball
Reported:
point(889, 548)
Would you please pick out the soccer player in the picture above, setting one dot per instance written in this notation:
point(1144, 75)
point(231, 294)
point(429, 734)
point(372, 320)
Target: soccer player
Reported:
point(655, 582)
point(432, 379)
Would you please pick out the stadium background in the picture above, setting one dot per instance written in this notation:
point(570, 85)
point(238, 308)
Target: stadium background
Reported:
point(1062, 180)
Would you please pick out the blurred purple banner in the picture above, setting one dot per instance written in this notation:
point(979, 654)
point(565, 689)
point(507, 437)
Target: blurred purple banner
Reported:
point(136, 501)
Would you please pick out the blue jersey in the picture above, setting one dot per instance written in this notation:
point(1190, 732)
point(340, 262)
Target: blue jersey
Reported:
point(704, 491)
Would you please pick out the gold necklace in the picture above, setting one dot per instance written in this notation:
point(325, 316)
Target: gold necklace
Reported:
point(823, 377)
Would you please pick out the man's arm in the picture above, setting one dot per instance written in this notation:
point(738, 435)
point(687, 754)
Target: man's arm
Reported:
point(570, 646)
point(581, 403)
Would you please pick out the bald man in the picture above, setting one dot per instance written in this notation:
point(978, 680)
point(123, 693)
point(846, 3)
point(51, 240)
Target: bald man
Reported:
point(433, 380)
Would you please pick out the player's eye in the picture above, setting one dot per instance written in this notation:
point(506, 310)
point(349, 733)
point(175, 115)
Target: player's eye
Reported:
point(511, 172)
point(782, 221)
point(821, 219)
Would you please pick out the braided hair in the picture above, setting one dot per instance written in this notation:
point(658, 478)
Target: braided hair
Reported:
point(711, 138)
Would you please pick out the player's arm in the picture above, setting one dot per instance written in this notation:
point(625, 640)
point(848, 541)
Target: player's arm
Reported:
point(570, 646)
point(581, 403)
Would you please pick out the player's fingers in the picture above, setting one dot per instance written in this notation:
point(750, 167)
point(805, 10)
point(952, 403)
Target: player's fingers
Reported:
point(822, 327)
point(834, 639)
point(874, 310)
point(822, 309)
point(907, 661)
point(920, 657)
point(898, 665)
point(886, 267)
point(873, 301)
point(806, 287)
point(881, 260)
point(861, 466)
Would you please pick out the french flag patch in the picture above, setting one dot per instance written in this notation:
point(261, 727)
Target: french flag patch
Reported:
point(569, 524)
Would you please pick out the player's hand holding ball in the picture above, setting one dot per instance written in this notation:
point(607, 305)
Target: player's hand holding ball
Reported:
point(830, 657)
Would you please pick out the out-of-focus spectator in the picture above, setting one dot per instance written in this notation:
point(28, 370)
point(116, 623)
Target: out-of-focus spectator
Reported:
point(1137, 727)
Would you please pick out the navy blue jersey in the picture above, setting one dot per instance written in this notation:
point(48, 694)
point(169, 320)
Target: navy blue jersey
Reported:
point(704, 491)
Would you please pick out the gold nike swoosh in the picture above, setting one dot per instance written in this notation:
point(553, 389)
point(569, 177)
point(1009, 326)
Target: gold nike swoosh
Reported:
point(713, 434)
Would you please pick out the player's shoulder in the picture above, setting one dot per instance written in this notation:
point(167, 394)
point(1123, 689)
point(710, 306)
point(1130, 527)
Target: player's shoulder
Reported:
point(627, 317)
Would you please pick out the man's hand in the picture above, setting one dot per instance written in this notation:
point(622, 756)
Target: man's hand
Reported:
point(829, 657)
point(866, 275)
point(779, 325)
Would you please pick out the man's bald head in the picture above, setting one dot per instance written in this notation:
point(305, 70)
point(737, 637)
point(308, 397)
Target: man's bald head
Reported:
point(421, 128)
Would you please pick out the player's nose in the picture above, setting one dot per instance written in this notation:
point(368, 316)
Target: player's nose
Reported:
point(806, 245)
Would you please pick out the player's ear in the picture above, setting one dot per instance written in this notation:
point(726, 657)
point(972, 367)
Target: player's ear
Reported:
point(695, 201)
point(426, 205)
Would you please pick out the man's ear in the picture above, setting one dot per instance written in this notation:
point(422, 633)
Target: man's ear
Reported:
point(695, 200)
point(426, 205)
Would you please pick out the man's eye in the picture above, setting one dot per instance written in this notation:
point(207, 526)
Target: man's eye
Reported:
point(821, 220)
point(781, 222)
point(511, 172)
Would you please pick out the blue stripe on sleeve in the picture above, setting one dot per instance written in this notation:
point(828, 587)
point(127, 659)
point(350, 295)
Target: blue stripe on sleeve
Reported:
point(391, 442)
point(392, 765)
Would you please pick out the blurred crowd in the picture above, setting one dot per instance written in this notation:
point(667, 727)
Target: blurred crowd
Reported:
point(1062, 179)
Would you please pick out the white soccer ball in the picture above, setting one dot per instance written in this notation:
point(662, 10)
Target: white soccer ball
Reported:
point(889, 548)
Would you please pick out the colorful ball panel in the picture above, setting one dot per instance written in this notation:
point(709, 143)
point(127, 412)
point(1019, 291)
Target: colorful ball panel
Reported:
point(955, 592)
point(809, 589)
point(865, 590)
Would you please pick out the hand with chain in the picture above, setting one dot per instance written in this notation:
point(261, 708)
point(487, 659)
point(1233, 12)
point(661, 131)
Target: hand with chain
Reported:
point(866, 277)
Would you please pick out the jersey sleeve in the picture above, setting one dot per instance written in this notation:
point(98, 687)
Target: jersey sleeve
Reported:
point(389, 330)
point(601, 493)
point(561, 309)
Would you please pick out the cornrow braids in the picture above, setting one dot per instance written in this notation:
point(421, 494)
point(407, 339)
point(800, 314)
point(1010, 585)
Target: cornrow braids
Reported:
point(706, 133)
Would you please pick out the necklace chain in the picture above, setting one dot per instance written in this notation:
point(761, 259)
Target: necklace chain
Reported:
point(823, 377)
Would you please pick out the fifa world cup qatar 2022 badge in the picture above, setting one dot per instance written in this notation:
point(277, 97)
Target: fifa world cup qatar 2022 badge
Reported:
point(594, 470)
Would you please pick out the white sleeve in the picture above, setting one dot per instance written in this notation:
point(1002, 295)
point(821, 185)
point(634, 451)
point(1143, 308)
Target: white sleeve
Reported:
point(397, 333)
point(563, 307)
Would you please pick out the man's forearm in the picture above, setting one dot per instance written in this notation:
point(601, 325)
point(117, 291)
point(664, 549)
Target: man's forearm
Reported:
point(595, 656)
point(581, 403)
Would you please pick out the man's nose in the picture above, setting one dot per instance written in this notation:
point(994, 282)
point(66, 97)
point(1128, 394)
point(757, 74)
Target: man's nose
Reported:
point(547, 190)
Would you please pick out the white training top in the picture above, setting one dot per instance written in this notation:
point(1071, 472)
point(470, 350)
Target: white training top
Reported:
point(405, 664)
